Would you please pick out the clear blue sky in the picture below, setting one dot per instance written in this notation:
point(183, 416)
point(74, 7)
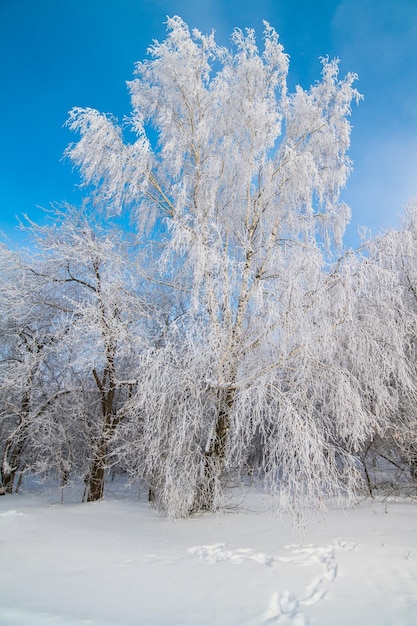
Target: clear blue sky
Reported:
point(56, 54)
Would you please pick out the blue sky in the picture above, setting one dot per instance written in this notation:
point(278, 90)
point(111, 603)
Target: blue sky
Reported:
point(56, 54)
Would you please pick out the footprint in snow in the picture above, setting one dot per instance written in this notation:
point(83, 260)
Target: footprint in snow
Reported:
point(285, 605)
point(217, 552)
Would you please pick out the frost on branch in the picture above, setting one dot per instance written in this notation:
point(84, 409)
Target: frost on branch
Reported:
point(117, 170)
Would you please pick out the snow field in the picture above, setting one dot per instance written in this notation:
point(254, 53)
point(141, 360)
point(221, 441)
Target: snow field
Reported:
point(119, 563)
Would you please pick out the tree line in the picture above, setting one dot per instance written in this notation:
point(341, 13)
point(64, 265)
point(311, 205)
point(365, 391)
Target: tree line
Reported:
point(225, 333)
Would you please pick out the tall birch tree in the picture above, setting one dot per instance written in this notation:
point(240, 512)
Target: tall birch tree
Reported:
point(239, 183)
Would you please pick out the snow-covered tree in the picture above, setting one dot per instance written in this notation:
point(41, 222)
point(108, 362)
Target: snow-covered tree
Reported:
point(72, 326)
point(246, 179)
point(268, 361)
point(94, 269)
point(391, 258)
point(29, 371)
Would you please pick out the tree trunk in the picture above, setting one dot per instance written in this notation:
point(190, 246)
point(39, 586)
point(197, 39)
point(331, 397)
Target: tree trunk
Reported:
point(10, 466)
point(12, 453)
point(95, 487)
point(215, 456)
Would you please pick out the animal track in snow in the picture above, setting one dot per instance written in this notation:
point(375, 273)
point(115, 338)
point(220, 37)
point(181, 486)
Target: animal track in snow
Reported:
point(218, 552)
point(284, 604)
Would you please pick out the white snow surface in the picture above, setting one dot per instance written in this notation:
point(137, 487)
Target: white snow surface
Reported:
point(119, 562)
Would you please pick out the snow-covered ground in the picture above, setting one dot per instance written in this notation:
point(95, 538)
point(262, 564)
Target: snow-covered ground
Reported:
point(118, 562)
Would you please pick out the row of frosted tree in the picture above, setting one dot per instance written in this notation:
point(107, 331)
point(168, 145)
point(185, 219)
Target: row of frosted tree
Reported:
point(197, 323)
